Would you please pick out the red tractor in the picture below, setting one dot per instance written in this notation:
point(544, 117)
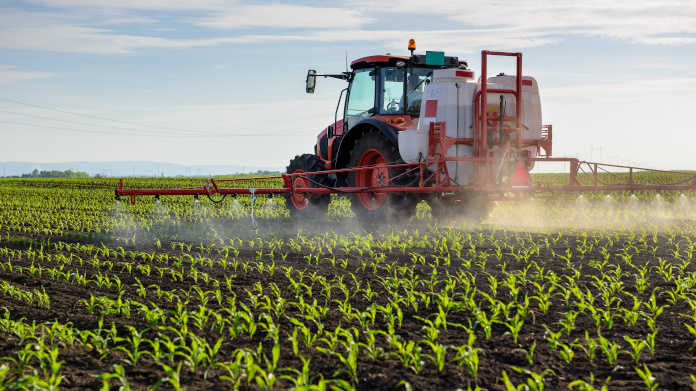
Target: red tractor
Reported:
point(383, 98)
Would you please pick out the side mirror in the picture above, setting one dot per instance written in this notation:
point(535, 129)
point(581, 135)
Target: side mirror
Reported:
point(311, 80)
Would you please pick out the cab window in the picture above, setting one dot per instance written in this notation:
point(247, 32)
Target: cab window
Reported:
point(361, 98)
point(402, 89)
point(392, 101)
point(418, 78)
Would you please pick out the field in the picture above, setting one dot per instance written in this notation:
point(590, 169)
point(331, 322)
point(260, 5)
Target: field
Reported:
point(597, 292)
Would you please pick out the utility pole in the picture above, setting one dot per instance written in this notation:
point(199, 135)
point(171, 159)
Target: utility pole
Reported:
point(592, 149)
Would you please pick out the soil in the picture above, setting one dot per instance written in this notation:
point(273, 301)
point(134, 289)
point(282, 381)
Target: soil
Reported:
point(671, 364)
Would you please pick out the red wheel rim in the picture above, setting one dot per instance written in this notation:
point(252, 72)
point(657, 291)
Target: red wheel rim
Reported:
point(299, 200)
point(377, 175)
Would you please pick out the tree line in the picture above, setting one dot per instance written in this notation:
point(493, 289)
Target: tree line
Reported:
point(56, 174)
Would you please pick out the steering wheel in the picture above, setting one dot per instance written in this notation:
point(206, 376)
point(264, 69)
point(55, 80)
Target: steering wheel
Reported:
point(393, 106)
point(363, 115)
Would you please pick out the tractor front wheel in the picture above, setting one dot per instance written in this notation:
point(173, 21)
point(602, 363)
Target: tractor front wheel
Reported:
point(304, 205)
point(374, 151)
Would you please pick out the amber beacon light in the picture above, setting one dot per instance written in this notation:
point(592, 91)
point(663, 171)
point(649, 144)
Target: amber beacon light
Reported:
point(411, 45)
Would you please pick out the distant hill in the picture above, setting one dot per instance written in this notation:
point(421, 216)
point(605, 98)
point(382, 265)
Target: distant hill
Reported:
point(127, 169)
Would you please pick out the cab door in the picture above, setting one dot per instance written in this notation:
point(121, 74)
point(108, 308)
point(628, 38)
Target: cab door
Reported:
point(361, 98)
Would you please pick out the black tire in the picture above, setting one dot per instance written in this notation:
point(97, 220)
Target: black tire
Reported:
point(302, 205)
point(379, 206)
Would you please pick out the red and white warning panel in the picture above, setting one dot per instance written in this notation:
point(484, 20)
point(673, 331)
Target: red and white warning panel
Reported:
point(520, 176)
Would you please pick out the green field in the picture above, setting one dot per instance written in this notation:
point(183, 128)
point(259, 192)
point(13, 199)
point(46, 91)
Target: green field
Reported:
point(542, 294)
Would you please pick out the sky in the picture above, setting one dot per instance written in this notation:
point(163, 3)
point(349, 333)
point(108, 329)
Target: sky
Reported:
point(222, 82)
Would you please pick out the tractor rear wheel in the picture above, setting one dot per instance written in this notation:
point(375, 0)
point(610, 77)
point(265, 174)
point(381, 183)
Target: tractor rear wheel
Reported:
point(303, 205)
point(375, 151)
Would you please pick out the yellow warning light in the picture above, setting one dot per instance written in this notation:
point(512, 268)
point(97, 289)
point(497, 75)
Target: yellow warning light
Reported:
point(411, 44)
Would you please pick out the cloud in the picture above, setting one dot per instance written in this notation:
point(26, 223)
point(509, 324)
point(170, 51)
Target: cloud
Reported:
point(225, 14)
point(128, 20)
point(83, 31)
point(447, 40)
point(639, 21)
point(467, 26)
point(7, 75)
point(663, 65)
point(159, 5)
point(278, 15)
point(89, 40)
point(61, 33)
point(638, 89)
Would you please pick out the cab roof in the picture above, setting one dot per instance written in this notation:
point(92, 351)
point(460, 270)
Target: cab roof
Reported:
point(416, 59)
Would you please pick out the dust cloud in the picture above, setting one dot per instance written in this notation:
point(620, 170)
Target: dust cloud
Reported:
point(606, 213)
point(228, 223)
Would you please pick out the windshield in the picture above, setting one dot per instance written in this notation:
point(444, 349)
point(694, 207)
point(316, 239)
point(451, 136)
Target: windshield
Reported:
point(402, 90)
point(361, 96)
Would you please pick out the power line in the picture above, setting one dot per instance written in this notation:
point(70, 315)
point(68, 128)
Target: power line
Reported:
point(127, 84)
point(82, 123)
point(106, 119)
point(284, 132)
point(85, 131)
point(231, 89)
point(149, 135)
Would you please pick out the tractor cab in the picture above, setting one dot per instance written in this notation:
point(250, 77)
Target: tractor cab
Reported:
point(384, 92)
point(385, 89)
point(383, 97)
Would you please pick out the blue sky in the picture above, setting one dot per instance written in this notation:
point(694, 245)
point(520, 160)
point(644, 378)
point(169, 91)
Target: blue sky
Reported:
point(222, 82)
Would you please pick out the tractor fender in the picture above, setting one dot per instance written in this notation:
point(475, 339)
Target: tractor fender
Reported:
point(362, 127)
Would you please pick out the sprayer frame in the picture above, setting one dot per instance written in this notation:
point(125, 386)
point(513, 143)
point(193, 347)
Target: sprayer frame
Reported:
point(442, 183)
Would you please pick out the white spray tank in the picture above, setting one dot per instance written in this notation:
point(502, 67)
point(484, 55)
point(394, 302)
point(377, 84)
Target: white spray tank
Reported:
point(531, 107)
point(448, 98)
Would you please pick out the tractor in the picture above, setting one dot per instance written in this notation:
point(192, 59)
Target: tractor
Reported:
point(383, 97)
